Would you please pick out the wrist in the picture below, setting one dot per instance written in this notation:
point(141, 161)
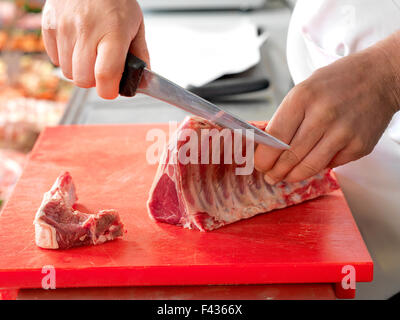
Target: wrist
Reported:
point(386, 55)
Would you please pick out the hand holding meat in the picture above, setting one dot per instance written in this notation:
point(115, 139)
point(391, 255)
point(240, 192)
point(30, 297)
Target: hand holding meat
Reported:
point(90, 39)
point(335, 116)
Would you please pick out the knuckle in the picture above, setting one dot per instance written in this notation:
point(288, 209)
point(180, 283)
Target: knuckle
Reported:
point(82, 20)
point(115, 19)
point(342, 137)
point(84, 83)
point(325, 111)
point(302, 94)
point(328, 114)
point(289, 157)
point(321, 107)
point(360, 148)
point(346, 133)
point(64, 26)
point(104, 75)
point(83, 24)
point(274, 175)
point(286, 162)
point(309, 169)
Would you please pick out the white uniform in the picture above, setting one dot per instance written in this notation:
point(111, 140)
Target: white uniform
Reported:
point(320, 32)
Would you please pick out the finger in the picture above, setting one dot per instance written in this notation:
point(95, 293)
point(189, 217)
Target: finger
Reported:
point(356, 148)
point(318, 159)
point(342, 157)
point(110, 62)
point(49, 33)
point(83, 61)
point(138, 46)
point(306, 137)
point(65, 46)
point(283, 126)
point(50, 44)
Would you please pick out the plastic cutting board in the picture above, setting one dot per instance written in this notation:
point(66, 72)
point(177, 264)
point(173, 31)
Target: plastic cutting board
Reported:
point(307, 243)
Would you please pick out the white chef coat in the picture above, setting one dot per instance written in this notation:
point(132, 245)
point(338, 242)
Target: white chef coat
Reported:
point(320, 32)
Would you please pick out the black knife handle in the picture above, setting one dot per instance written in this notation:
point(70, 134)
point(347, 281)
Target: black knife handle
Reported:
point(232, 86)
point(131, 76)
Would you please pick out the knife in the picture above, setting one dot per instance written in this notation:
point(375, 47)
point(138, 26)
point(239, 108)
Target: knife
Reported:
point(136, 78)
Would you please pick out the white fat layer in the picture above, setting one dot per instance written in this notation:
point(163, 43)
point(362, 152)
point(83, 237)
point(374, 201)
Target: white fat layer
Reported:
point(45, 236)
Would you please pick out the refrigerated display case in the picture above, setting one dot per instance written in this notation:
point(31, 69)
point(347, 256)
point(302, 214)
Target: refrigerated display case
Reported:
point(32, 92)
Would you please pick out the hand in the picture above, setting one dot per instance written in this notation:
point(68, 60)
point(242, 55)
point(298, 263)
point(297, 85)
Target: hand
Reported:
point(335, 116)
point(90, 39)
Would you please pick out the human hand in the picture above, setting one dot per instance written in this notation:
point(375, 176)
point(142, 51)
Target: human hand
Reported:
point(90, 40)
point(335, 116)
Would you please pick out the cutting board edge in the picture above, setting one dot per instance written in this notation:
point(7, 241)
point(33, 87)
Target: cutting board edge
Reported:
point(204, 275)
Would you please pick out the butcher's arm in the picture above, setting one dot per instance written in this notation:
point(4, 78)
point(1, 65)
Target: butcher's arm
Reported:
point(90, 39)
point(335, 116)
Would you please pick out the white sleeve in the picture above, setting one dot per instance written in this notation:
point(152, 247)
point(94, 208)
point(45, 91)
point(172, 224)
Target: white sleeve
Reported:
point(326, 30)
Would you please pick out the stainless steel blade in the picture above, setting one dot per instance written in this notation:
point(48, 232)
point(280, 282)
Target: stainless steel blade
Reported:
point(160, 88)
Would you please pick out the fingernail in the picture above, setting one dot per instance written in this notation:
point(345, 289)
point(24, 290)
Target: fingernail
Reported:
point(269, 180)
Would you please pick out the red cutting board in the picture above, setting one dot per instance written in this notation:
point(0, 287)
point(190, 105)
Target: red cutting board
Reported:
point(307, 243)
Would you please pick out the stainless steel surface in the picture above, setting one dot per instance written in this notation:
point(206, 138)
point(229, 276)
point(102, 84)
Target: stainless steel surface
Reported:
point(160, 88)
point(274, 19)
point(74, 106)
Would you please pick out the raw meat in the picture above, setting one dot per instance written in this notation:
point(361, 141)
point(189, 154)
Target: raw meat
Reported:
point(208, 196)
point(59, 226)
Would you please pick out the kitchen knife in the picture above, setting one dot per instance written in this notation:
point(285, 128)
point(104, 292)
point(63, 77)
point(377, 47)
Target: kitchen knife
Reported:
point(137, 78)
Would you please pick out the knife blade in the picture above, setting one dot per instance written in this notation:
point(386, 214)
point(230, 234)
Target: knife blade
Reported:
point(137, 78)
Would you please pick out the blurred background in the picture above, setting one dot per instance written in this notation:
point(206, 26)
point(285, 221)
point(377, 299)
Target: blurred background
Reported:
point(232, 52)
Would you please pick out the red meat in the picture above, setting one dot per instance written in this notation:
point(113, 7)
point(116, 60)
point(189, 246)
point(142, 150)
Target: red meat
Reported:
point(208, 196)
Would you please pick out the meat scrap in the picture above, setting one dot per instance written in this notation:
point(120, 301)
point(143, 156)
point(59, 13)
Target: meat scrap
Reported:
point(59, 226)
point(208, 196)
